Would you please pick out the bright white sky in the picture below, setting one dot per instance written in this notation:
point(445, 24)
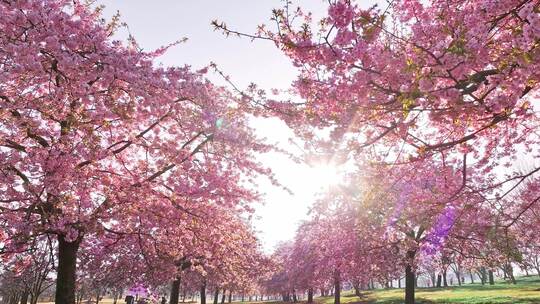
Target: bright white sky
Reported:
point(157, 23)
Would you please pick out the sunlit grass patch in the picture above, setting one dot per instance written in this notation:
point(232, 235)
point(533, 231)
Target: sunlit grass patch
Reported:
point(527, 290)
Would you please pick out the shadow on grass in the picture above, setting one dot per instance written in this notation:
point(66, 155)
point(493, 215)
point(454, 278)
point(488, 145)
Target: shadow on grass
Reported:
point(420, 300)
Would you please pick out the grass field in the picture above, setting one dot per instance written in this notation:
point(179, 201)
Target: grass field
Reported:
point(527, 290)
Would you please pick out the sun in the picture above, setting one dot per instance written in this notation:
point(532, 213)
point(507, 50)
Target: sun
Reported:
point(323, 175)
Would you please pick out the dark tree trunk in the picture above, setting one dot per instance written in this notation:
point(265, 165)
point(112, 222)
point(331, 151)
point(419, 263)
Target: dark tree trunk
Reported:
point(457, 273)
point(491, 279)
point(310, 295)
point(98, 295)
point(409, 285)
point(472, 277)
point(24, 297)
point(175, 291)
point(13, 299)
point(357, 290)
point(399, 283)
point(216, 295)
point(203, 293)
point(337, 287)
point(410, 278)
point(511, 274)
point(445, 280)
point(230, 296)
point(67, 271)
point(483, 276)
point(507, 272)
point(294, 299)
point(439, 280)
point(223, 296)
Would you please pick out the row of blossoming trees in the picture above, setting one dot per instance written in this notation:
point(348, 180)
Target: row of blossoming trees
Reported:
point(368, 232)
point(115, 171)
point(434, 105)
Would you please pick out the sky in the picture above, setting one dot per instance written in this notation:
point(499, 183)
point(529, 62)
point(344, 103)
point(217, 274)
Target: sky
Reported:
point(158, 23)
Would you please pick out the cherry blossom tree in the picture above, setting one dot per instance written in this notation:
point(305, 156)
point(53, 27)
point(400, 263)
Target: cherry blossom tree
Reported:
point(95, 138)
point(433, 76)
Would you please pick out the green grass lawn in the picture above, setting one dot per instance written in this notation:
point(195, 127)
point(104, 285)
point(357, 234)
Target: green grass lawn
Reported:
point(527, 290)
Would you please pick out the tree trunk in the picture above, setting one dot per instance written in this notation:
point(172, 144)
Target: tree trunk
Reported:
point(230, 296)
point(472, 277)
point(491, 279)
point(445, 280)
point(483, 277)
point(356, 286)
point(511, 274)
point(409, 285)
point(80, 296)
point(310, 295)
point(13, 299)
point(98, 295)
point(175, 291)
point(410, 278)
point(223, 296)
point(439, 280)
point(399, 283)
point(203, 293)
point(216, 295)
point(337, 287)
point(24, 297)
point(67, 271)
